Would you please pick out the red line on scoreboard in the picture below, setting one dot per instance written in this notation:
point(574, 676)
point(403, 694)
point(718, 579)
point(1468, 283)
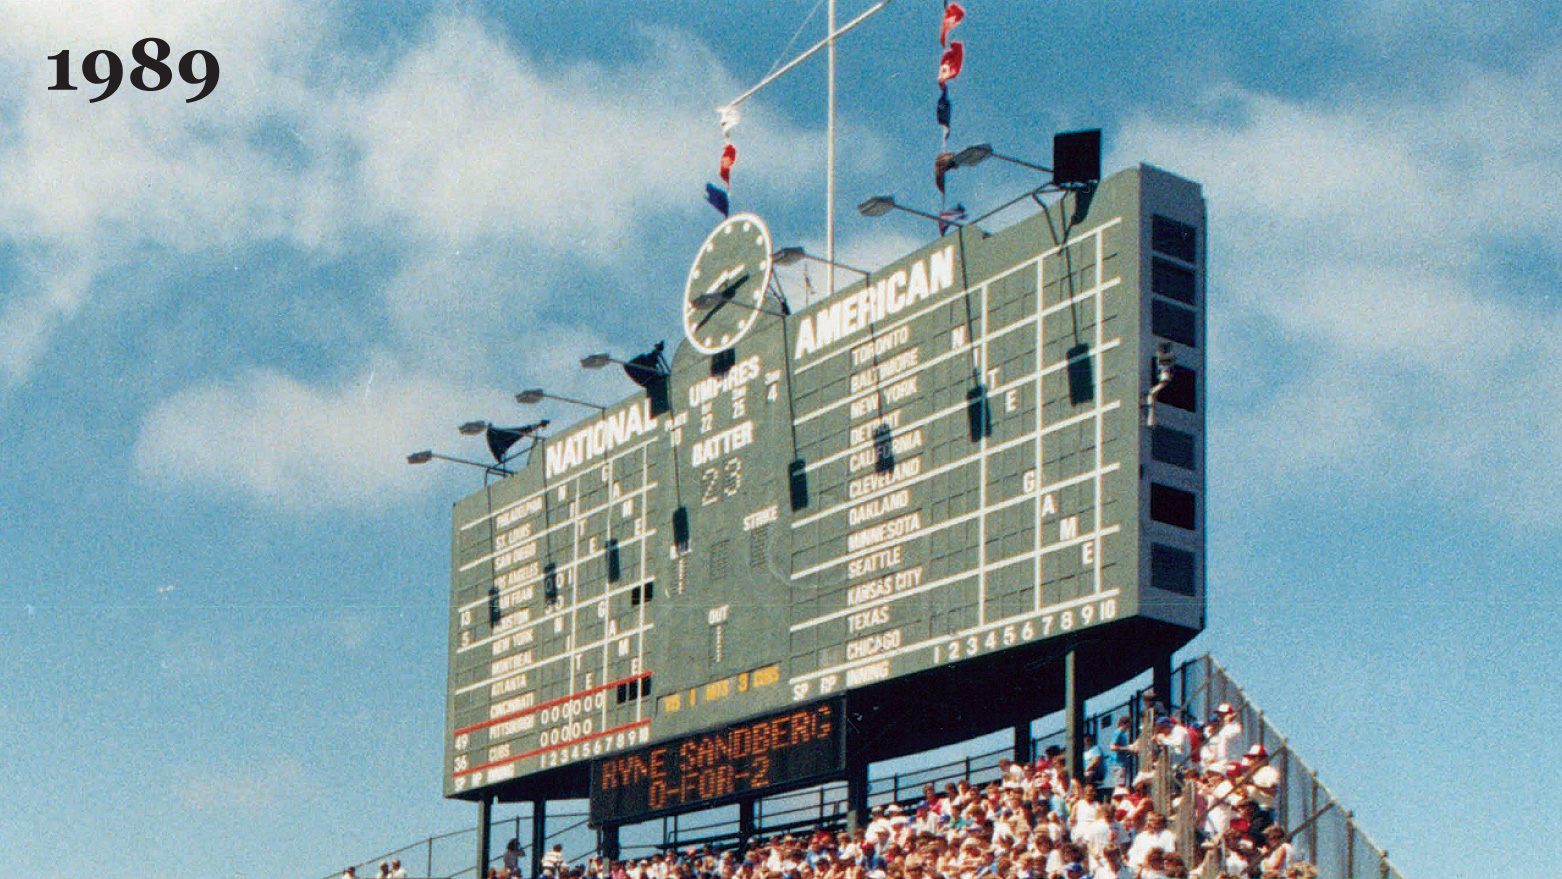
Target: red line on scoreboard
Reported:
point(548, 704)
point(535, 751)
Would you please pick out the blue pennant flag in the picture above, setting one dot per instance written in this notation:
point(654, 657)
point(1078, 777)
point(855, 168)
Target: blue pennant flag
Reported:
point(954, 216)
point(944, 109)
point(717, 197)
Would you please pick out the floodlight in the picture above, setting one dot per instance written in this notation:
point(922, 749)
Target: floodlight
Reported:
point(877, 206)
point(428, 455)
point(788, 255)
point(648, 368)
point(595, 361)
point(537, 395)
point(473, 428)
point(971, 155)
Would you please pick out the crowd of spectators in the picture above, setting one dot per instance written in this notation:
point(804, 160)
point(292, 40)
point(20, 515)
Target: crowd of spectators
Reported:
point(1036, 821)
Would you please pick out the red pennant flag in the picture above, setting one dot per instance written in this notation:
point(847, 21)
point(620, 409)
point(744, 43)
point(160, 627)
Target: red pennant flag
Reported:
point(953, 15)
point(941, 165)
point(729, 157)
point(949, 65)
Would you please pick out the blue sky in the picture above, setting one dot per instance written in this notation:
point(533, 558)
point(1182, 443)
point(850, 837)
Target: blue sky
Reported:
point(223, 325)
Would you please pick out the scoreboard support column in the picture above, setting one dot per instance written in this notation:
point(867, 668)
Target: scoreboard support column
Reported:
point(746, 824)
point(1161, 680)
point(856, 793)
point(1023, 752)
point(607, 841)
point(485, 810)
point(1073, 713)
point(539, 834)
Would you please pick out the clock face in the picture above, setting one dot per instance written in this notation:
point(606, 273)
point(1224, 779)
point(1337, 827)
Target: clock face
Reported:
point(727, 284)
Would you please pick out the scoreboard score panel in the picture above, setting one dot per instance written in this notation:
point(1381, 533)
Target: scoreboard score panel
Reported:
point(944, 463)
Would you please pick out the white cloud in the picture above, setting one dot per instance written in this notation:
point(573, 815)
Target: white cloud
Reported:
point(284, 442)
point(468, 140)
point(1354, 306)
point(249, 787)
point(89, 187)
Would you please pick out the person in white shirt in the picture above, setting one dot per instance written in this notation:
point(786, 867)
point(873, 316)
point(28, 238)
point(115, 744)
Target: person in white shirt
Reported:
point(1173, 737)
point(1112, 866)
point(1083, 810)
point(1264, 784)
point(1223, 744)
point(1279, 855)
point(553, 861)
point(1154, 836)
point(400, 872)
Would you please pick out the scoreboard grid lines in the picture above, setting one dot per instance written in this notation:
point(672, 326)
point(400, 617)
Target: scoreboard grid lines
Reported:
point(982, 363)
point(868, 495)
point(933, 304)
point(565, 654)
point(551, 486)
point(955, 578)
point(958, 409)
point(904, 649)
point(971, 346)
point(1100, 415)
point(572, 519)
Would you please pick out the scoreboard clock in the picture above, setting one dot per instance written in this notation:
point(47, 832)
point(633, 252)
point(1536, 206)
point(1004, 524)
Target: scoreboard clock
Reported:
point(726, 289)
point(925, 486)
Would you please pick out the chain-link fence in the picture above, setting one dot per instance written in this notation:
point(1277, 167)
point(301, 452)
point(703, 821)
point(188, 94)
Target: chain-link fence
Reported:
point(1322, 828)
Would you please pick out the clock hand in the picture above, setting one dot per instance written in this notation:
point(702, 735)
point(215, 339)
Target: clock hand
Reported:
point(712, 313)
point(722, 280)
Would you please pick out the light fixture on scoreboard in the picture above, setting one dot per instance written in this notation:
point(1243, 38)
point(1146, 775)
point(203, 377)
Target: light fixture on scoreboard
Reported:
point(501, 439)
point(642, 369)
point(879, 205)
point(1076, 158)
point(787, 256)
point(1165, 371)
point(649, 370)
point(532, 396)
point(428, 455)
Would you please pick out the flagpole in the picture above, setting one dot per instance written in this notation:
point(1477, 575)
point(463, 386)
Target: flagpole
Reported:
point(829, 171)
point(828, 43)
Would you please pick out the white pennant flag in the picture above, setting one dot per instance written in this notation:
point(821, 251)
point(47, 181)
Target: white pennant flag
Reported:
point(729, 120)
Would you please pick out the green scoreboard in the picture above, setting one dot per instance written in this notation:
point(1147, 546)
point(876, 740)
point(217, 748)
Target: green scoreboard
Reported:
point(986, 449)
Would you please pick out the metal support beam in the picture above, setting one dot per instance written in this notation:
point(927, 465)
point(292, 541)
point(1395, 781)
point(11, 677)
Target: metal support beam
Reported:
point(485, 810)
point(1161, 680)
point(539, 833)
point(746, 824)
point(607, 841)
point(1023, 752)
point(856, 793)
point(1073, 714)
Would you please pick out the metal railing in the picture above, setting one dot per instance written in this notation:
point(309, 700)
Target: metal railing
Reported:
point(1324, 831)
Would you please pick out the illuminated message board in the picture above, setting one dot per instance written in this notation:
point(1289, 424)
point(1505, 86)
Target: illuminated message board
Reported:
point(795, 747)
point(943, 467)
